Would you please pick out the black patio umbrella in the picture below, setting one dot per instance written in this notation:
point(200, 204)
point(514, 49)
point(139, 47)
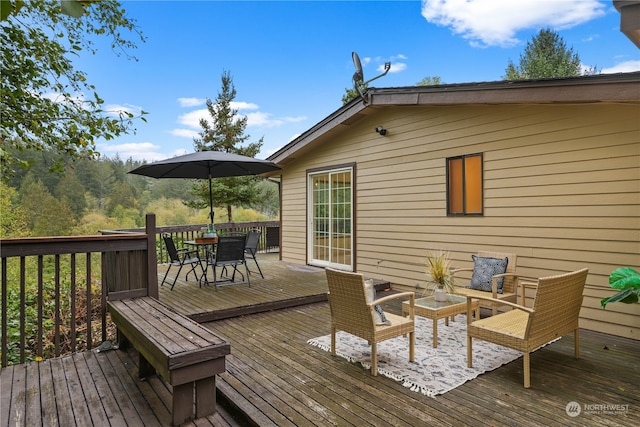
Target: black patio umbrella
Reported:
point(206, 165)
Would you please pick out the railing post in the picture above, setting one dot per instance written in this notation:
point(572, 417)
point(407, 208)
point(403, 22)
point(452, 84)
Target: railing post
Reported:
point(152, 260)
point(5, 319)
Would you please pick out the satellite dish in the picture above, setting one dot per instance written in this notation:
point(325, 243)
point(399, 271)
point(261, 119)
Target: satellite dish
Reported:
point(358, 77)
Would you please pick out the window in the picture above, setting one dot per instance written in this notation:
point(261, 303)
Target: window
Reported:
point(464, 185)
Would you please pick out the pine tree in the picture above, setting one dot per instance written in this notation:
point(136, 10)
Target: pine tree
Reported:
point(225, 131)
point(430, 81)
point(545, 56)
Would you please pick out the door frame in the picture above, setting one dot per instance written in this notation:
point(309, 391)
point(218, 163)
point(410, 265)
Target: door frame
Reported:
point(309, 215)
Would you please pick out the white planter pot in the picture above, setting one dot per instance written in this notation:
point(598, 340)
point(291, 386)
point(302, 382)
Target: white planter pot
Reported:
point(440, 294)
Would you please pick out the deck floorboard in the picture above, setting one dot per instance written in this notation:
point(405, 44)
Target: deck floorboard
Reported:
point(272, 346)
point(274, 378)
point(284, 285)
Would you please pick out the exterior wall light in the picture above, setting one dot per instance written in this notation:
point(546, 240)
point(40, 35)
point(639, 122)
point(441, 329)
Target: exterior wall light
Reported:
point(382, 131)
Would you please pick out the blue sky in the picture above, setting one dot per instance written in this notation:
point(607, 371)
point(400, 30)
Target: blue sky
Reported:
point(291, 60)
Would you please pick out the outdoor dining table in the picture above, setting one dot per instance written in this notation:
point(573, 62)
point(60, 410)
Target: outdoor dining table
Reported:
point(206, 247)
point(203, 244)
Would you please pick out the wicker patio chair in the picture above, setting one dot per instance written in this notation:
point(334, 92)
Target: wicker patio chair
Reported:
point(352, 313)
point(555, 312)
point(509, 287)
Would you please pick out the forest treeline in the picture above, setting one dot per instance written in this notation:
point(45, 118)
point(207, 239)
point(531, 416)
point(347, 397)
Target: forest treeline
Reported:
point(95, 195)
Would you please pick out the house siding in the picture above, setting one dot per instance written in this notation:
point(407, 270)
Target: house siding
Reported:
point(561, 189)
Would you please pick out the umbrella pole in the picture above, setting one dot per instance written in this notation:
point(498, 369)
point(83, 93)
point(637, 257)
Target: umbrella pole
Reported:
point(210, 200)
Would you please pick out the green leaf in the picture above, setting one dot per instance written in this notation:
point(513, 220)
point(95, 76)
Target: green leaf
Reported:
point(628, 296)
point(5, 9)
point(72, 8)
point(624, 278)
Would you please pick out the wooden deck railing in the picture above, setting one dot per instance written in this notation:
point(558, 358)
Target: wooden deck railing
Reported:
point(269, 239)
point(54, 289)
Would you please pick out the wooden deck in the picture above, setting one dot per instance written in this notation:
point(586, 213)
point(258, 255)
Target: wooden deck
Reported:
point(89, 389)
point(284, 285)
point(273, 375)
point(273, 378)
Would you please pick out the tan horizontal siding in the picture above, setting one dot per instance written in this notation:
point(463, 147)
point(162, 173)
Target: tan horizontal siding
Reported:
point(561, 189)
point(293, 232)
point(601, 188)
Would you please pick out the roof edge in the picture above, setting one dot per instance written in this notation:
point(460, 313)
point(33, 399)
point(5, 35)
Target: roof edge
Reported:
point(620, 87)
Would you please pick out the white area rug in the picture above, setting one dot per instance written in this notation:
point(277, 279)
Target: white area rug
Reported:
point(435, 370)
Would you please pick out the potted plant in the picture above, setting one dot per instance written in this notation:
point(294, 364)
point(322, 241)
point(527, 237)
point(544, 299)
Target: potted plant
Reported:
point(439, 269)
point(627, 281)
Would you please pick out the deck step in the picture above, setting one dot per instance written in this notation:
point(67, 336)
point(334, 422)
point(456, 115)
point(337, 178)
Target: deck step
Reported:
point(221, 314)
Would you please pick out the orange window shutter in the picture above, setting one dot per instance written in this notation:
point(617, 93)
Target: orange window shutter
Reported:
point(473, 184)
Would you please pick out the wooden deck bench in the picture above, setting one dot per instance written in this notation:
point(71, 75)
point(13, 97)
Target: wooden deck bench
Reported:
point(184, 353)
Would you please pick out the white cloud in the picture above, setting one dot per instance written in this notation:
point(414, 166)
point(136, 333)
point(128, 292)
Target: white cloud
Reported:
point(396, 67)
point(192, 118)
point(184, 133)
point(623, 67)
point(396, 57)
point(591, 37)
point(364, 61)
point(264, 120)
point(256, 118)
point(130, 147)
point(395, 60)
point(77, 99)
point(115, 110)
point(243, 106)
point(261, 119)
point(191, 102)
point(138, 151)
point(295, 119)
point(496, 22)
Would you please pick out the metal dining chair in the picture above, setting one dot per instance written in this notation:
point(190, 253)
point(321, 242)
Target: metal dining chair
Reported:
point(251, 248)
point(229, 253)
point(179, 258)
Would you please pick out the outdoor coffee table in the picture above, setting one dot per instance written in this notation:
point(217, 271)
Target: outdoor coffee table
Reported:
point(431, 309)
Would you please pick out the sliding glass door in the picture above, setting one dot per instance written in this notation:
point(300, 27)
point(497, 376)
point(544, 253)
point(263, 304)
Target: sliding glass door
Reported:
point(330, 216)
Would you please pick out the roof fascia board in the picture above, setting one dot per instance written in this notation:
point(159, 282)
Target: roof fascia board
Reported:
point(629, 19)
point(624, 87)
point(538, 92)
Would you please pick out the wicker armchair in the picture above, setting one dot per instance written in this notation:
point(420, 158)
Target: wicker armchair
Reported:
point(350, 312)
point(509, 287)
point(555, 312)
